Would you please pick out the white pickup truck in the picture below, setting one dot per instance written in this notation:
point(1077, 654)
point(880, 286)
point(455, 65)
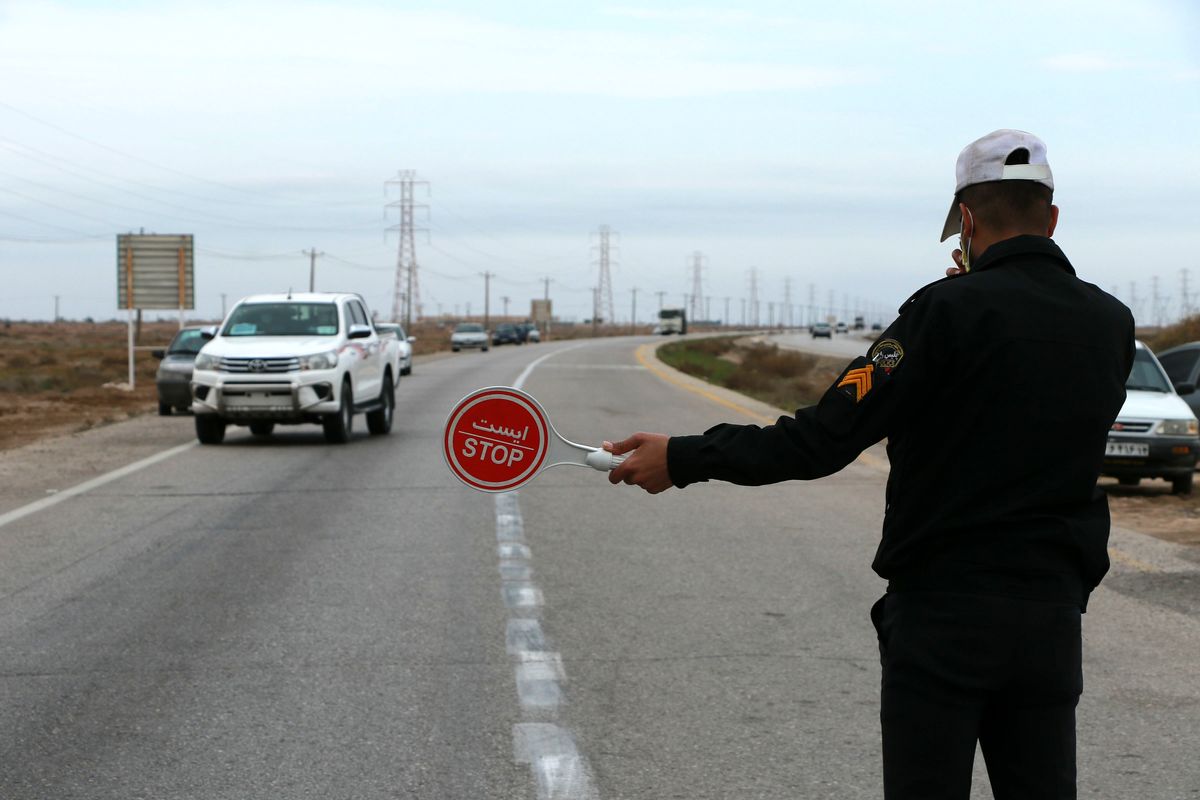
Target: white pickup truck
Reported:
point(295, 358)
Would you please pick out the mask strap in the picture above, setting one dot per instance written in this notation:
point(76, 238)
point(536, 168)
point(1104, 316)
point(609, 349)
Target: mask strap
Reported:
point(965, 244)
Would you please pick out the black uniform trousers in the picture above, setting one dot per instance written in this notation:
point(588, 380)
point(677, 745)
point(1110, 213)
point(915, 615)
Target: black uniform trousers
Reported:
point(962, 668)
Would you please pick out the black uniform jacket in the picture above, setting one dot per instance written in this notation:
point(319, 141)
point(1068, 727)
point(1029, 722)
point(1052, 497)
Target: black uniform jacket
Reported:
point(995, 391)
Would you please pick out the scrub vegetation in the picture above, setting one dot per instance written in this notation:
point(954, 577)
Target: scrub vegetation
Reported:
point(1180, 333)
point(786, 379)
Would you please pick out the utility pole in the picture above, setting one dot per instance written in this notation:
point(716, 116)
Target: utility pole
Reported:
point(487, 297)
point(661, 295)
point(56, 317)
point(697, 287)
point(812, 304)
point(725, 319)
point(604, 307)
point(222, 305)
point(708, 308)
point(743, 312)
point(505, 299)
point(595, 307)
point(546, 297)
point(406, 295)
point(754, 296)
point(787, 302)
point(633, 314)
point(312, 267)
point(1133, 300)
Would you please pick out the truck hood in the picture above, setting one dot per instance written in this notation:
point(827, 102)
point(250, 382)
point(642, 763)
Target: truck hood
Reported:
point(270, 346)
point(1154, 405)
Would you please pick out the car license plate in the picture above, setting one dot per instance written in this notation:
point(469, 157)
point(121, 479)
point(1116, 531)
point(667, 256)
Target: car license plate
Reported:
point(1128, 449)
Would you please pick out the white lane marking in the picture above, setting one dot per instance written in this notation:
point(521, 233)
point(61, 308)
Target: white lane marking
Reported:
point(515, 571)
point(560, 772)
point(513, 550)
point(558, 768)
point(94, 483)
point(537, 685)
point(520, 381)
point(524, 636)
point(522, 595)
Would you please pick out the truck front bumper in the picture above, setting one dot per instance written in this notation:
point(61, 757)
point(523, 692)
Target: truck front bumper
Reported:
point(296, 397)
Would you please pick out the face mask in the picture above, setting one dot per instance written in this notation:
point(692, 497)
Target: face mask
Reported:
point(965, 244)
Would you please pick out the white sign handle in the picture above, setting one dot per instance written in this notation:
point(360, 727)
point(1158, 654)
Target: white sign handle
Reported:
point(564, 451)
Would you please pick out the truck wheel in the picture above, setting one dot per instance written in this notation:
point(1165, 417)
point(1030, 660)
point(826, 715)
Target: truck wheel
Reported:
point(210, 429)
point(379, 421)
point(262, 428)
point(1182, 484)
point(339, 424)
point(164, 409)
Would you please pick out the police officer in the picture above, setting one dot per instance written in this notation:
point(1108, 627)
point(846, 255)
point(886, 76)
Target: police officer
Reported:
point(995, 389)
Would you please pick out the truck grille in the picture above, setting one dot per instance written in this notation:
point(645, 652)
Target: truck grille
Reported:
point(260, 365)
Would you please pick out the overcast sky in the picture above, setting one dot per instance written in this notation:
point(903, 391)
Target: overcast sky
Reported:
point(813, 143)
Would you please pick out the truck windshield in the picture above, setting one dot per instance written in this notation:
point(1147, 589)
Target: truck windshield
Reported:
point(282, 319)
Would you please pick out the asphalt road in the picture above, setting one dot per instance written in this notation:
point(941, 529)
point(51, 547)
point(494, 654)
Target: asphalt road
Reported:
point(290, 619)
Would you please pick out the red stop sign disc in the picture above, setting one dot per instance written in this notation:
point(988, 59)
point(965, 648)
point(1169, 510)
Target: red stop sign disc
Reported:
point(496, 439)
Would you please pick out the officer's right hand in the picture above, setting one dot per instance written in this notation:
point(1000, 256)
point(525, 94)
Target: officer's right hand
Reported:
point(957, 269)
point(646, 466)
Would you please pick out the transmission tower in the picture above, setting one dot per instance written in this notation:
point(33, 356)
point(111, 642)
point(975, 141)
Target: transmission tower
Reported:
point(604, 308)
point(1185, 297)
point(407, 295)
point(697, 307)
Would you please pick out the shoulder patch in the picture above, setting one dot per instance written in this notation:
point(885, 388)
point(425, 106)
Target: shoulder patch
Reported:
point(886, 355)
point(857, 383)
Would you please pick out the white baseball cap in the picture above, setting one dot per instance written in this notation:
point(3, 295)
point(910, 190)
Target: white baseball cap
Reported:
point(982, 161)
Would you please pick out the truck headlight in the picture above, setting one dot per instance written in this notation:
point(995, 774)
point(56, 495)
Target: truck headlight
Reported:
point(1178, 427)
point(206, 362)
point(327, 360)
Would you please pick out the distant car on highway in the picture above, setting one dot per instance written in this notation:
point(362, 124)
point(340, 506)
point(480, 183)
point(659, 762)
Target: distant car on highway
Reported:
point(174, 378)
point(530, 332)
point(507, 333)
point(1156, 435)
point(821, 329)
point(1182, 365)
point(876, 326)
point(406, 343)
point(843, 328)
point(469, 334)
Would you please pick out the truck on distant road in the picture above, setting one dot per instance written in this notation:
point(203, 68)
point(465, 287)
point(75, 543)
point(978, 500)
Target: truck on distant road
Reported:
point(295, 358)
point(671, 320)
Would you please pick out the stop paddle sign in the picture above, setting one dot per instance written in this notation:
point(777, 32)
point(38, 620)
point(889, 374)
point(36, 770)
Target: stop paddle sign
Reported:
point(498, 438)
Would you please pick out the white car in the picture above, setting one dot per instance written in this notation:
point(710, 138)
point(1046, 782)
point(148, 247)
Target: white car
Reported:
point(291, 359)
point(1156, 435)
point(469, 334)
point(405, 342)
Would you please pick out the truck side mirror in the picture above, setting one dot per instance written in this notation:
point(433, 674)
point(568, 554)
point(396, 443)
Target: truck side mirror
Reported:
point(207, 335)
point(359, 332)
point(1182, 389)
point(159, 354)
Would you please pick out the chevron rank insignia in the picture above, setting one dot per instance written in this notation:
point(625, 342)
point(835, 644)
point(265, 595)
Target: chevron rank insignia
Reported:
point(856, 383)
